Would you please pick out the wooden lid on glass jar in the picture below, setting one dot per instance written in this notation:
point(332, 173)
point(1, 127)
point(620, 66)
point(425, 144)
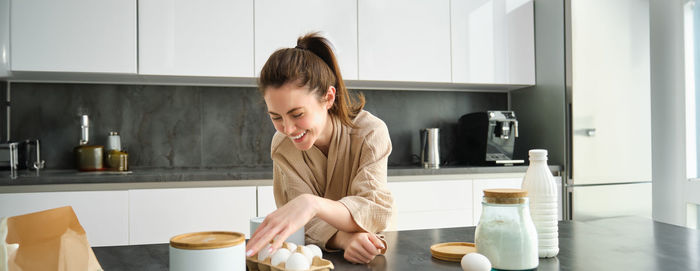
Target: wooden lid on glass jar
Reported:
point(505, 195)
point(207, 240)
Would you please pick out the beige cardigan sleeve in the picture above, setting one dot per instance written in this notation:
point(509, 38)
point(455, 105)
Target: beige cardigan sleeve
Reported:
point(369, 200)
point(288, 186)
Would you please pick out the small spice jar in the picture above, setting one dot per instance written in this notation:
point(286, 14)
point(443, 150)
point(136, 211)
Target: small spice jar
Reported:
point(506, 234)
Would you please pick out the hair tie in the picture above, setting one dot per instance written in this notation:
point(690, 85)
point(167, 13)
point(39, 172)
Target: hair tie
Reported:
point(299, 47)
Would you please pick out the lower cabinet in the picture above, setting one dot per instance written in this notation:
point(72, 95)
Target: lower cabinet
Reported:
point(148, 216)
point(431, 204)
point(156, 215)
point(446, 203)
point(103, 214)
point(144, 216)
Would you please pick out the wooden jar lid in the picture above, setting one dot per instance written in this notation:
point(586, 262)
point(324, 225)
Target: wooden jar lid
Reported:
point(452, 252)
point(505, 195)
point(207, 240)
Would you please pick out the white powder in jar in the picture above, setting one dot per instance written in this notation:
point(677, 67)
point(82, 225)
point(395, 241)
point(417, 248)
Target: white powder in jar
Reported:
point(508, 242)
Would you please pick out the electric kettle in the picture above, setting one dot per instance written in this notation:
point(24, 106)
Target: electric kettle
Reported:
point(430, 147)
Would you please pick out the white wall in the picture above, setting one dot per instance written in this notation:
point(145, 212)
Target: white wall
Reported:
point(667, 111)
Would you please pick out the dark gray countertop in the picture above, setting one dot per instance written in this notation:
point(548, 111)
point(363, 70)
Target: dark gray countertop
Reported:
point(623, 243)
point(26, 177)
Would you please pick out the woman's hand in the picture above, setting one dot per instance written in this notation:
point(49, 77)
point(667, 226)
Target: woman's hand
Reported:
point(281, 223)
point(360, 247)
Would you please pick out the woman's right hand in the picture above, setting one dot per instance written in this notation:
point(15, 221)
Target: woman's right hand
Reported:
point(281, 223)
point(360, 247)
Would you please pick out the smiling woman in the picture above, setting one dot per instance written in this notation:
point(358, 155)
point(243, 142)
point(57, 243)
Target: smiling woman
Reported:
point(329, 156)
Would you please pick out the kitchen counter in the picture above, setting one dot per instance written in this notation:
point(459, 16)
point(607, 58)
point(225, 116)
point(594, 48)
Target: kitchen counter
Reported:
point(622, 243)
point(159, 178)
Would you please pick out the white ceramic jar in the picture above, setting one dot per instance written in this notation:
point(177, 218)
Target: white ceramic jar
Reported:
point(506, 234)
point(214, 250)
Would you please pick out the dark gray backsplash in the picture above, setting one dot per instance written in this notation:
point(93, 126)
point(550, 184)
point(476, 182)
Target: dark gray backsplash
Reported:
point(210, 127)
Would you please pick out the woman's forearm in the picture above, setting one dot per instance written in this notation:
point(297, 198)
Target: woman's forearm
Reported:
point(335, 214)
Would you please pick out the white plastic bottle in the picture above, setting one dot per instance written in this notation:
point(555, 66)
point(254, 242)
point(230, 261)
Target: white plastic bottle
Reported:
point(542, 190)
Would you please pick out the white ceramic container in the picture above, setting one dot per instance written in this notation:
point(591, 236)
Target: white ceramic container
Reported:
point(214, 250)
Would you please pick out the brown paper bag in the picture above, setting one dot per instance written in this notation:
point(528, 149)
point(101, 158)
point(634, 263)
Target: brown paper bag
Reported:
point(49, 240)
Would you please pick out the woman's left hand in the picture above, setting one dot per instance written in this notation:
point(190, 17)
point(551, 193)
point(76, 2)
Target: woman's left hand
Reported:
point(282, 223)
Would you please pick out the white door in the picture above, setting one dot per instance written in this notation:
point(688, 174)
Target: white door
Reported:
point(596, 201)
point(278, 24)
point(493, 41)
point(610, 93)
point(199, 38)
point(403, 40)
point(73, 36)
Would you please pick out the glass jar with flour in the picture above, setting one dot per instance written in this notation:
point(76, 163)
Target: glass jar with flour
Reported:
point(506, 234)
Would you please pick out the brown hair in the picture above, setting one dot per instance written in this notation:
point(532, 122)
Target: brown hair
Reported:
point(312, 63)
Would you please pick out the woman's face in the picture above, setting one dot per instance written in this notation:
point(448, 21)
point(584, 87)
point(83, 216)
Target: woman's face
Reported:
point(298, 113)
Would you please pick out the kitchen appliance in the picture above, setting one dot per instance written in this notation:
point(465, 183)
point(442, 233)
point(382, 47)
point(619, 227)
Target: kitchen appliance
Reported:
point(487, 138)
point(29, 154)
point(430, 147)
point(609, 173)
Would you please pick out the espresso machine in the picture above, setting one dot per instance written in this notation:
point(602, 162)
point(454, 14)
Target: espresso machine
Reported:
point(487, 138)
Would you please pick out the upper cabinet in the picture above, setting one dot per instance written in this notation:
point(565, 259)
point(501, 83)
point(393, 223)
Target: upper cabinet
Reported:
point(380, 42)
point(493, 42)
point(278, 24)
point(73, 36)
point(4, 38)
point(198, 38)
point(404, 40)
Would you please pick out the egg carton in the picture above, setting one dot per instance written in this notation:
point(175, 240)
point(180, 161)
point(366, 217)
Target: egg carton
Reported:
point(317, 264)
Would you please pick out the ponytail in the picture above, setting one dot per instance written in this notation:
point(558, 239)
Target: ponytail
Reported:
point(312, 63)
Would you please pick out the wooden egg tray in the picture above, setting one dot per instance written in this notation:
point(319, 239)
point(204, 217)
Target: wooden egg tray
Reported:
point(317, 264)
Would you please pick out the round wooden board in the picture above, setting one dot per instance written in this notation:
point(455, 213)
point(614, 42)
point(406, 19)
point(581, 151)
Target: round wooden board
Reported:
point(453, 251)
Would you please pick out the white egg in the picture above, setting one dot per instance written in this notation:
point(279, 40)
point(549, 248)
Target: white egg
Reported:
point(475, 262)
point(264, 253)
point(307, 252)
point(296, 262)
point(315, 250)
point(280, 256)
point(292, 247)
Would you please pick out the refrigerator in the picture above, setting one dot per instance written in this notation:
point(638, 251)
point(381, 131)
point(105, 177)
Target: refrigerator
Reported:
point(608, 109)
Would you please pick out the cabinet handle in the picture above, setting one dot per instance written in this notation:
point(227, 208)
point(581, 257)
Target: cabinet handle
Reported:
point(589, 132)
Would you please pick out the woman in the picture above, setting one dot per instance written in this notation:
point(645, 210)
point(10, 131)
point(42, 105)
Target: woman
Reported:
point(329, 156)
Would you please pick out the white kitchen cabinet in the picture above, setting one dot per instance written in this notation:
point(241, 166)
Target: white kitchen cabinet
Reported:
point(4, 38)
point(278, 24)
point(156, 215)
point(73, 36)
point(431, 204)
point(493, 41)
point(103, 214)
point(198, 38)
point(266, 200)
point(404, 40)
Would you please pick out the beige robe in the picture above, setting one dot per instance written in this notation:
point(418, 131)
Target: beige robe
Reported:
point(354, 173)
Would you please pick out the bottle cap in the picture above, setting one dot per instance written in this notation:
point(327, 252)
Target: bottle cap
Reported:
point(538, 154)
